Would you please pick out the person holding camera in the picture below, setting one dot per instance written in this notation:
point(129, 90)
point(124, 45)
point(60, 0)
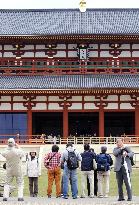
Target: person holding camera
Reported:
point(53, 164)
point(123, 168)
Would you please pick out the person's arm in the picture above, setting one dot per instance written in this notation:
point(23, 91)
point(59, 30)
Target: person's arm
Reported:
point(130, 154)
point(117, 151)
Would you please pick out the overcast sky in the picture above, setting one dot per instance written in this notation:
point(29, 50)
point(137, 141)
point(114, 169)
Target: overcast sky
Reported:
point(48, 4)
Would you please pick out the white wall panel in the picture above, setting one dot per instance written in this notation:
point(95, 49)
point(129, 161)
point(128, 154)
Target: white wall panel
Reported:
point(28, 54)
point(76, 98)
point(72, 54)
point(90, 98)
point(54, 106)
point(9, 47)
point(90, 106)
point(18, 98)
point(61, 46)
point(125, 54)
point(5, 98)
point(104, 46)
point(135, 54)
point(40, 106)
point(0, 47)
point(5, 106)
point(72, 46)
point(54, 98)
point(40, 47)
point(93, 54)
point(28, 47)
point(8, 54)
point(112, 106)
point(125, 97)
point(93, 46)
point(40, 54)
point(125, 46)
point(112, 97)
point(60, 54)
point(75, 106)
point(105, 54)
point(126, 106)
point(19, 106)
point(0, 54)
point(135, 46)
point(40, 98)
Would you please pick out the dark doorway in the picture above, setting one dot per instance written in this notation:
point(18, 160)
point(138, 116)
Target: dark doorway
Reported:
point(119, 123)
point(48, 123)
point(83, 124)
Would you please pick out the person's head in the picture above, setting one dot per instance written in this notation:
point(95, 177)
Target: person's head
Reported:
point(69, 145)
point(55, 148)
point(103, 149)
point(119, 142)
point(4, 166)
point(33, 154)
point(11, 142)
point(86, 147)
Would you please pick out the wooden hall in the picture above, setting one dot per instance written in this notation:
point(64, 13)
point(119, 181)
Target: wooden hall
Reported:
point(68, 73)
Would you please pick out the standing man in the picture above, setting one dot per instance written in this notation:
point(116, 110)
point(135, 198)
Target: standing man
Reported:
point(13, 157)
point(123, 169)
point(70, 158)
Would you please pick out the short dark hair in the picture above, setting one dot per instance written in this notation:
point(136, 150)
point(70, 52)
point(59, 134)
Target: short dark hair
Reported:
point(103, 149)
point(69, 144)
point(55, 148)
point(86, 146)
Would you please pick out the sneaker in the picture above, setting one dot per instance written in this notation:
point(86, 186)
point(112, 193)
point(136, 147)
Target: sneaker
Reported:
point(20, 199)
point(74, 197)
point(65, 197)
point(35, 195)
point(58, 196)
point(100, 196)
point(121, 199)
point(4, 199)
point(82, 196)
point(106, 196)
point(49, 196)
point(91, 196)
point(129, 199)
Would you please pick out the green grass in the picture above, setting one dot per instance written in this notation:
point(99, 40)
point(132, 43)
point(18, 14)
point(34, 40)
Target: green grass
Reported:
point(113, 184)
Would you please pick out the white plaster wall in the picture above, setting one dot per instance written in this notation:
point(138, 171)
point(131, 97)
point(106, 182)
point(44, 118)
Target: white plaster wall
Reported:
point(135, 54)
point(93, 54)
point(90, 98)
point(90, 106)
point(9, 47)
point(104, 46)
point(18, 98)
point(27, 47)
point(112, 106)
point(54, 98)
point(0, 54)
point(40, 54)
point(8, 54)
point(125, 54)
point(40, 106)
point(76, 98)
point(72, 46)
point(125, 97)
point(40, 98)
point(28, 54)
point(126, 106)
point(5, 106)
point(61, 46)
point(135, 46)
point(5, 98)
point(93, 46)
point(60, 54)
point(75, 106)
point(105, 54)
point(72, 54)
point(19, 106)
point(54, 106)
point(112, 97)
point(40, 47)
point(125, 46)
point(0, 47)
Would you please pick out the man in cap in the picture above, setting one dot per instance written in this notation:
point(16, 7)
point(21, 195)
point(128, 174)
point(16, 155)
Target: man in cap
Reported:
point(13, 157)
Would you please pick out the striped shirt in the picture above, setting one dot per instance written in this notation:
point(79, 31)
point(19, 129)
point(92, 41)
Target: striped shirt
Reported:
point(53, 158)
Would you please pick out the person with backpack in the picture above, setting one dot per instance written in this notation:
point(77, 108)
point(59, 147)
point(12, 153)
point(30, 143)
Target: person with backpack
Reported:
point(104, 161)
point(53, 165)
point(70, 159)
point(33, 172)
point(87, 170)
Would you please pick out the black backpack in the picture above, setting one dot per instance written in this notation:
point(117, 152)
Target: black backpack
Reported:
point(87, 161)
point(72, 162)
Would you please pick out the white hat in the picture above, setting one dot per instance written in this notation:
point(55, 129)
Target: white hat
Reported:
point(11, 142)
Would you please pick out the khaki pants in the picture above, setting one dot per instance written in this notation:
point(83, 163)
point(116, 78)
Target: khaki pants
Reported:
point(54, 174)
point(103, 183)
point(90, 175)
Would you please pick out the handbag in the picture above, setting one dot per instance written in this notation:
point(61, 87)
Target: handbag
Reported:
point(94, 164)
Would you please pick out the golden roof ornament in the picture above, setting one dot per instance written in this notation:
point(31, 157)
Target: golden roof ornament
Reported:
point(82, 5)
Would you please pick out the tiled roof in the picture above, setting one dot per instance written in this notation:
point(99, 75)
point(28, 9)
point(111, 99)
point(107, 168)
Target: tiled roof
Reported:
point(69, 82)
point(69, 21)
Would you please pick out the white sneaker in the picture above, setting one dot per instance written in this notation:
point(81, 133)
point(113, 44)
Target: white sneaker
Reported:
point(100, 196)
point(106, 196)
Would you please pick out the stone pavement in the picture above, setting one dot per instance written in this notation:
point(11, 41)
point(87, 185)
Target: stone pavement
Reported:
point(70, 201)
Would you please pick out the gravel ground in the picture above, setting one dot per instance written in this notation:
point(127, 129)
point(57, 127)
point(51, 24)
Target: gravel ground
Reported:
point(70, 201)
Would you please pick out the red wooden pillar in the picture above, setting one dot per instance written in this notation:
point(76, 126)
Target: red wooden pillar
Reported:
point(29, 123)
point(101, 122)
point(137, 121)
point(65, 123)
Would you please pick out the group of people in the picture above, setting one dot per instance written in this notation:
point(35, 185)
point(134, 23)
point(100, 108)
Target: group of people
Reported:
point(62, 168)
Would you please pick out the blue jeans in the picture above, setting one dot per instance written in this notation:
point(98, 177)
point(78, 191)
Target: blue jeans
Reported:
point(72, 175)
